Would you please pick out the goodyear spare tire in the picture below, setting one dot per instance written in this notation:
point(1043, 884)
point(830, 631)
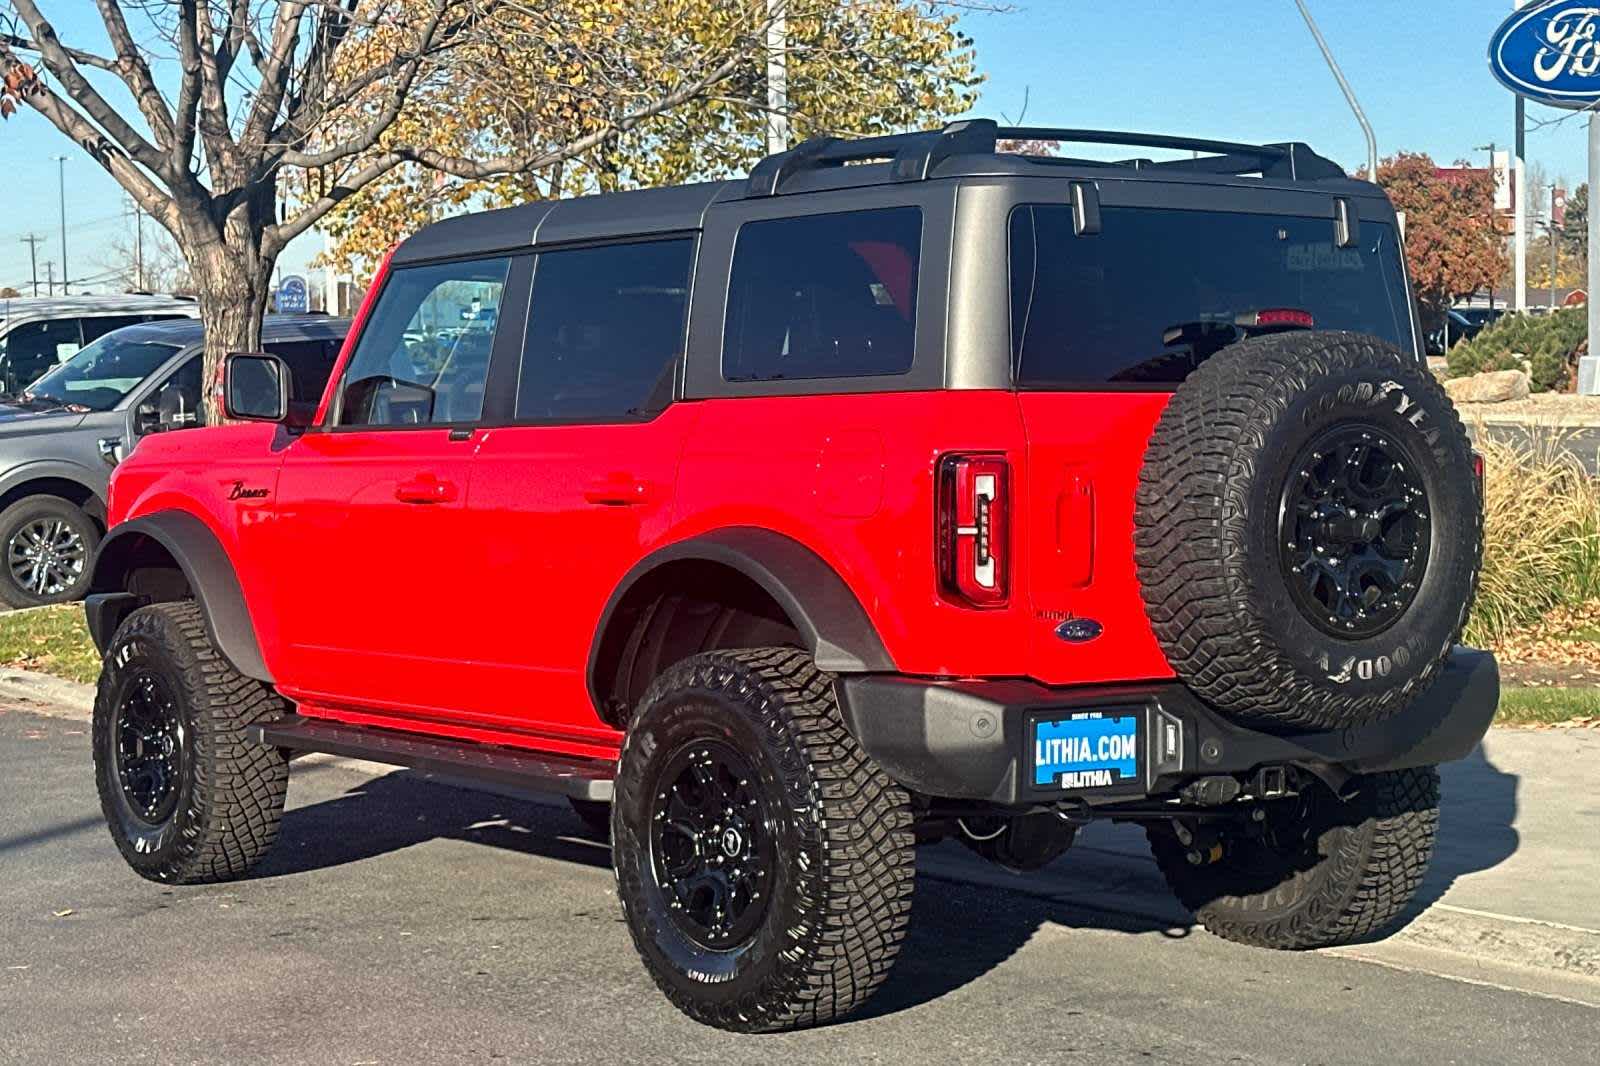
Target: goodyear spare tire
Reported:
point(1308, 530)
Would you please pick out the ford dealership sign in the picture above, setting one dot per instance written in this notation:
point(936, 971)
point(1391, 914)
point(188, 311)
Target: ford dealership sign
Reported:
point(1549, 52)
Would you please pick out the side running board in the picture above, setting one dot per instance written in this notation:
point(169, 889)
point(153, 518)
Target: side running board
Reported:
point(466, 762)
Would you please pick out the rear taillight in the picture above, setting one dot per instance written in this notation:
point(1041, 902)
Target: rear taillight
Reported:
point(974, 529)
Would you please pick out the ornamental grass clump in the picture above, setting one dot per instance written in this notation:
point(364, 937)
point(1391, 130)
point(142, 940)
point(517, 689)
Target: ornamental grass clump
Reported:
point(1541, 535)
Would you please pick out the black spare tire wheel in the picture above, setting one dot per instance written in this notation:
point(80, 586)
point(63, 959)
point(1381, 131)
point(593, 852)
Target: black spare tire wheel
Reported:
point(1308, 532)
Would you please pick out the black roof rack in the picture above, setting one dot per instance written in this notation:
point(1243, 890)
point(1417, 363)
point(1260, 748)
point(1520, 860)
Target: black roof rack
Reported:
point(913, 156)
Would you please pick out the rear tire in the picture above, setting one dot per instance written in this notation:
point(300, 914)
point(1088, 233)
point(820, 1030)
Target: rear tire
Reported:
point(46, 543)
point(786, 908)
point(188, 797)
point(1357, 866)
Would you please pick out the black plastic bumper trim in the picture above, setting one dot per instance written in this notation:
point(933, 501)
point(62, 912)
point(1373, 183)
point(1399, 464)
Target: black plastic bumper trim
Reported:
point(965, 739)
point(468, 762)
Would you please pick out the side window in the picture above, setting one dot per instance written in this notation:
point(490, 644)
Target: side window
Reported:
point(424, 354)
point(34, 347)
point(823, 296)
point(310, 363)
point(98, 326)
point(605, 331)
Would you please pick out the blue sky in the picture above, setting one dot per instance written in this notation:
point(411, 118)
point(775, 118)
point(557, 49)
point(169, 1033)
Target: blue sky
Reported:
point(1230, 69)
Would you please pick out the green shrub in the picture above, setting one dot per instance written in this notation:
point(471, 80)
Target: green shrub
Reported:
point(1547, 341)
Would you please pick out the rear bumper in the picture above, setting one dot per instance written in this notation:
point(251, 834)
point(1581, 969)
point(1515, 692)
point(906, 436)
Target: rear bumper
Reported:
point(967, 739)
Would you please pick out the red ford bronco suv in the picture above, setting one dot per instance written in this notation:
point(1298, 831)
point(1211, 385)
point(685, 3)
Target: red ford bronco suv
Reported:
point(905, 489)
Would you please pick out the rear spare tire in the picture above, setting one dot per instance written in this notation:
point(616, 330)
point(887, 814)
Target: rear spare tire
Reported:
point(1308, 531)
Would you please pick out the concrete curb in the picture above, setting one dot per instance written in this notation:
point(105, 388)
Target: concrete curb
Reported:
point(1551, 422)
point(54, 697)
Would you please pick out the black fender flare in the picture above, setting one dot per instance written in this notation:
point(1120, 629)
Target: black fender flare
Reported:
point(205, 565)
point(61, 470)
point(830, 619)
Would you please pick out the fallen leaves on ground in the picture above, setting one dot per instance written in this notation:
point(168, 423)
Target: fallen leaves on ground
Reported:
point(1567, 636)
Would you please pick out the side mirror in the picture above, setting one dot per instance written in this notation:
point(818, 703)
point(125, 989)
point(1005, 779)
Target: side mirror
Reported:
point(255, 387)
point(147, 417)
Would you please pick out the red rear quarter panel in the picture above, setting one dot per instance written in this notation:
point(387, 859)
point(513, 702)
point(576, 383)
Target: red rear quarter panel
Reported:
point(853, 478)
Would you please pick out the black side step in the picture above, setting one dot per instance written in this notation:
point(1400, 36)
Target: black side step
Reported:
point(503, 769)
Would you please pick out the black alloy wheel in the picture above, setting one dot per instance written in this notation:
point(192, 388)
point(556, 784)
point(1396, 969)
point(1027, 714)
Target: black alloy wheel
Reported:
point(711, 844)
point(1354, 528)
point(151, 747)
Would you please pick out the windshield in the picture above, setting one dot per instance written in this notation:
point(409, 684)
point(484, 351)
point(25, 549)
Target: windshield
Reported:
point(99, 376)
point(1157, 291)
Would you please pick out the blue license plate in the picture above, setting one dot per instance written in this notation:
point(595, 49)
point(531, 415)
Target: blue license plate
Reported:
point(1093, 750)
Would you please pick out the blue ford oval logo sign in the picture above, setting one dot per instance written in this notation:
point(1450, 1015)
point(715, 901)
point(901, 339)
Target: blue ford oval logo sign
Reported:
point(1550, 53)
point(1079, 630)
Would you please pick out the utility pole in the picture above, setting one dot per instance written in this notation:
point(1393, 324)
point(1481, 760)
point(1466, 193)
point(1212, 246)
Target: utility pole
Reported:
point(777, 76)
point(1344, 86)
point(50, 275)
point(61, 170)
point(138, 244)
point(33, 241)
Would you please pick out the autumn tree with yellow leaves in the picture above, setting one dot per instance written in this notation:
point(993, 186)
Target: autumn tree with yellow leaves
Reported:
point(238, 125)
point(855, 67)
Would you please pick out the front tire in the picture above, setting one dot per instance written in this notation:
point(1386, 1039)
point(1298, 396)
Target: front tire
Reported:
point(1318, 871)
point(47, 543)
point(188, 797)
point(764, 862)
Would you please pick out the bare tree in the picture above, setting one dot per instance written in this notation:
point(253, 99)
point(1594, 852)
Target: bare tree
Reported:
point(260, 89)
point(156, 267)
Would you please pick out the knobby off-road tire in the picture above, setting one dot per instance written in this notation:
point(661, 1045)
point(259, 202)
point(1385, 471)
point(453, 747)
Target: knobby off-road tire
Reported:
point(836, 831)
point(42, 523)
point(1288, 468)
point(1355, 867)
point(188, 798)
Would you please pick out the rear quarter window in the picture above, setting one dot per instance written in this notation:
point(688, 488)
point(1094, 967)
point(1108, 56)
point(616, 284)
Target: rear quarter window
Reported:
point(1155, 292)
point(823, 296)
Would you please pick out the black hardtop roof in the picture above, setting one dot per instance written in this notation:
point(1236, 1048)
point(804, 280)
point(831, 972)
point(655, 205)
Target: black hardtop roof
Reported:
point(183, 332)
point(963, 149)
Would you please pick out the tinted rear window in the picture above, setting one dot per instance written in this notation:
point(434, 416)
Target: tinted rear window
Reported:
point(605, 331)
point(823, 296)
point(1143, 301)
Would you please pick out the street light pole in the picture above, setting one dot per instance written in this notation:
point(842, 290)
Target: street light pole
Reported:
point(1494, 180)
point(777, 76)
point(1555, 247)
point(61, 170)
point(1349, 93)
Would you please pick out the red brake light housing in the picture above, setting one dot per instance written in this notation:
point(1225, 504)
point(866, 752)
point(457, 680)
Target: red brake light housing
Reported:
point(974, 529)
point(1277, 318)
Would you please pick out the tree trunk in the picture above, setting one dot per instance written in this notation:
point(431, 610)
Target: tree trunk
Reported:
point(233, 288)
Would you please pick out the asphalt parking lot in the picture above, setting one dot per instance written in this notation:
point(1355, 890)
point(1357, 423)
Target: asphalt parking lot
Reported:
point(402, 921)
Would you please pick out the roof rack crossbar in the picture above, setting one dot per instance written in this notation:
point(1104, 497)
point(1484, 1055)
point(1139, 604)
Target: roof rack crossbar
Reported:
point(913, 156)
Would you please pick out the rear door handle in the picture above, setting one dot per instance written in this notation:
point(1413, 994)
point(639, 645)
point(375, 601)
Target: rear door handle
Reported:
point(619, 490)
point(425, 488)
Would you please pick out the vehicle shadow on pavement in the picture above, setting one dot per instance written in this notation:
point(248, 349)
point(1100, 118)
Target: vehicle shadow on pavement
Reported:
point(400, 810)
point(1477, 816)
